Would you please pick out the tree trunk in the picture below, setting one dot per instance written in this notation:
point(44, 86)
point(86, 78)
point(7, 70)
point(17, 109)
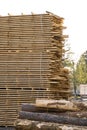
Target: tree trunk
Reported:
point(29, 107)
point(32, 108)
point(53, 107)
point(52, 118)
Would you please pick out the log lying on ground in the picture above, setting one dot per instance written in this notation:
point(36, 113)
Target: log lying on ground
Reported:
point(53, 106)
point(80, 114)
point(52, 118)
point(61, 104)
point(57, 104)
point(33, 108)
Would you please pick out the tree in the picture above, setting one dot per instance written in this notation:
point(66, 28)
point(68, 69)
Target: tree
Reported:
point(68, 57)
point(69, 63)
point(81, 69)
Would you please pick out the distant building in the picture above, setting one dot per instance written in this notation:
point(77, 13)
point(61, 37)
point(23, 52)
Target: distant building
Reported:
point(83, 89)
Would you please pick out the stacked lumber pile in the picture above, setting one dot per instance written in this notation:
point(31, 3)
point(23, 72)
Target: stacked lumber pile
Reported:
point(59, 78)
point(31, 49)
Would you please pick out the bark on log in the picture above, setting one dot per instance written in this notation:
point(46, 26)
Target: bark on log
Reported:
point(52, 108)
point(32, 108)
point(52, 118)
point(82, 106)
point(80, 114)
point(29, 107)
point(63, 105)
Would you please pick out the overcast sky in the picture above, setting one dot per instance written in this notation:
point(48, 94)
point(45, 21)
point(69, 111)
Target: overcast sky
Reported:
point(74, 12)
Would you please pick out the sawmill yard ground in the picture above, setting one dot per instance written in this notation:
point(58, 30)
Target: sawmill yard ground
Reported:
point(37, 125)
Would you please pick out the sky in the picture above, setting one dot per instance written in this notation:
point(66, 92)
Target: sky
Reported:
point(73, 11)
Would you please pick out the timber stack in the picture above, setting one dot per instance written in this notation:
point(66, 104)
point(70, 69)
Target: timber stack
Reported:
point(59, 80)
point(31, 52)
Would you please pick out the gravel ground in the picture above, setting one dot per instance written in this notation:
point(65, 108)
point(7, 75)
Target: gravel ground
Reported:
point(37, 125)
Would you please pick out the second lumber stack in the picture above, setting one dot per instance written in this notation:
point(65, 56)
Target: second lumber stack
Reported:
point(59, 79)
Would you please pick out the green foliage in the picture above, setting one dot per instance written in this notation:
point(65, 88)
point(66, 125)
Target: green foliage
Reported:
point(81, 70)
point(68, 57)
point(68, 62)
